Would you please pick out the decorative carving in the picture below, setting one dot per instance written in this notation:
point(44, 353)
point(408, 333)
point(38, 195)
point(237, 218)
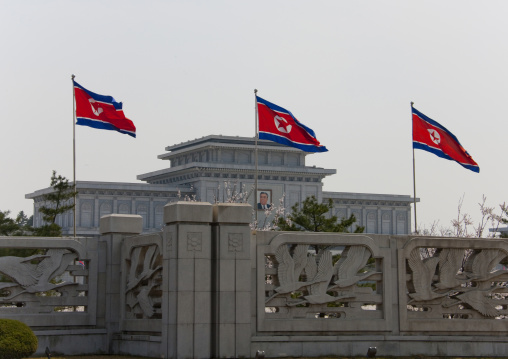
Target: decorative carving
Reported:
point(321, 276)
point(235, 243)
point(303, 281)
point(423, 273)
point(169, 239)
point(348, 267)
point(439, 281)
point(34, 274)
point(450, 259)
point(194, 242)
point(144, 277)
point(290, 268)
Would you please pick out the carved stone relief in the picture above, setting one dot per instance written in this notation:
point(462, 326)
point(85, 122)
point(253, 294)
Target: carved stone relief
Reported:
point(450, 283)
point(143, 294)
point(318, 281)
point(40, 278)
point(235, 242)
point(194, 242)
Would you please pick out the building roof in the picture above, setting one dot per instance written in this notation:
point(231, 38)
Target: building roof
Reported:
point(247, 144)
point(113, 186)
point(234, 167)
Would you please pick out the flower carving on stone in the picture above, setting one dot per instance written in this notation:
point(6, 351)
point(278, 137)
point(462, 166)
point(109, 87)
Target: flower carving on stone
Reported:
point(235, 243)
point(169, 241)
point(194, 242)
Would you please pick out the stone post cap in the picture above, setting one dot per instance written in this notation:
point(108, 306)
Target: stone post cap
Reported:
point(121, 223)
point(184, 211)
point(232, 213)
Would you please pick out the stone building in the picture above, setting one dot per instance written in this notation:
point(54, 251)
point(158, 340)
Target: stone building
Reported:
point(215, 168)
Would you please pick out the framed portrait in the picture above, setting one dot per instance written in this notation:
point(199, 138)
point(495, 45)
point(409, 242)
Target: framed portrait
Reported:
point(264, 199)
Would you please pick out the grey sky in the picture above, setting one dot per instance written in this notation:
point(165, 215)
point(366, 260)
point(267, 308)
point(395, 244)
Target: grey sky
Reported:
point(186, 69)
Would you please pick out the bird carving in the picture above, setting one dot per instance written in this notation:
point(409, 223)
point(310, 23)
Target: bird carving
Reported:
point(480, 264)
point(321, 275)
point(423, 272)
point(150, 266)
point(353, 259)
point(450, 261)
point(144, 300)
point(478, 300)
point(35, 277)
point(290, 268)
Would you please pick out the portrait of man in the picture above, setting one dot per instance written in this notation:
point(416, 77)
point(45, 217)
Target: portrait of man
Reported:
point(264, 198)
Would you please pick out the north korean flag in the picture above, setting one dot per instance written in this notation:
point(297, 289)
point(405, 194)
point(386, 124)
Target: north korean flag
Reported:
point(102, 112)
point(279, 125)
point(430, 136)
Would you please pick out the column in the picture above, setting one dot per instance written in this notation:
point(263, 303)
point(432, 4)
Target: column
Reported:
point(95, 218)
point(187, 272)
point(394, 221)
point(231, 280)
point(114, 228)
point(364, 217)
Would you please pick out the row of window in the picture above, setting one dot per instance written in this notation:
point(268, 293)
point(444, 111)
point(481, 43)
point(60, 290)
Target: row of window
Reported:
point(245, 157)
point(85, 215)
point(371, 224)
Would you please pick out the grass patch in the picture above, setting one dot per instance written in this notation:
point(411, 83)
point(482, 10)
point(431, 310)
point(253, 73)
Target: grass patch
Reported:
point(92, 357)
point(337, 357)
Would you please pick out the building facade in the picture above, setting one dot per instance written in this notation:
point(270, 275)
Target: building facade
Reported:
point(221, 169)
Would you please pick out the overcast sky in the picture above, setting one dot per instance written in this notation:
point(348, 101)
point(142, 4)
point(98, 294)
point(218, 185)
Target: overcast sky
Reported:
point(187, 69)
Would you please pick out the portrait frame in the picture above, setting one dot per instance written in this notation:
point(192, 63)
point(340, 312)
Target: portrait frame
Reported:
point(258, 197)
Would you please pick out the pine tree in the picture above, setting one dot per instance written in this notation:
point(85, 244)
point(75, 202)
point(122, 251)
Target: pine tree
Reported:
point(57, 202)
point(7, 225)
point(25, 224)
point(15, 227)
point(312, 216)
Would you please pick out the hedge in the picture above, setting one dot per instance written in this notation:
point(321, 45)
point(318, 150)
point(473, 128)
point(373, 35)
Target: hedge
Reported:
point(16, 340)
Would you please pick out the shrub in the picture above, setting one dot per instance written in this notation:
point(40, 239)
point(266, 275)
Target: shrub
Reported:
point(16, 340)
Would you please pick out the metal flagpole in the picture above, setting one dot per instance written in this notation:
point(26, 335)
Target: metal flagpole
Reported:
point(414, 181)
point(256, 135)
point(74, 148)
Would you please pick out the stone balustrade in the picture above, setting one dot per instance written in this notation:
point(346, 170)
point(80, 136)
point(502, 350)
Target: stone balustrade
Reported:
point(206, 286)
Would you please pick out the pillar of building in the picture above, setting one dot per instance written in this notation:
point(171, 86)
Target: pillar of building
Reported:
point(187, 291)
point(114, 228)
point(231, 277)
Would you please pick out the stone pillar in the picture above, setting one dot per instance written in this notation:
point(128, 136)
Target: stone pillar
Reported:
point(394, 221)
point(231, 280)
point(187, 292)
point(96, 217)
point(113, 229)
point(364, 217)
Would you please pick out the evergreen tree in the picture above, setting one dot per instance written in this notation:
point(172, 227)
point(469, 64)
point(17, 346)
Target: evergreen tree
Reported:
point(15, 227)
point(7, 225)
point(25, 225)
point(57, 202)
point(312, 216)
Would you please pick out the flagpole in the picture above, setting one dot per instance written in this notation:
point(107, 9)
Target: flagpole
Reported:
point(414, 181)
point(74, 148)
point(256, 135)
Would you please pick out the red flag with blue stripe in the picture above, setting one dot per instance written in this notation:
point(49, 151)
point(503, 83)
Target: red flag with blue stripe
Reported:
point(102, 112)
point(428, 135)
point(279, 125)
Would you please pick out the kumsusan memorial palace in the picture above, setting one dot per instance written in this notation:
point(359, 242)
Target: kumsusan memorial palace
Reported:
point(205, 169)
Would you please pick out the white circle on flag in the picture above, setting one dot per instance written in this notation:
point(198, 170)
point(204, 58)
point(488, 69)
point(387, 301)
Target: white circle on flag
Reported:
point(282, 124)
point(97, 111)
point(434, 136)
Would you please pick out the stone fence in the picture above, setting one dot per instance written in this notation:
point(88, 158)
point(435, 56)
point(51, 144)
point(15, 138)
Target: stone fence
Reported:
point(206, 286)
